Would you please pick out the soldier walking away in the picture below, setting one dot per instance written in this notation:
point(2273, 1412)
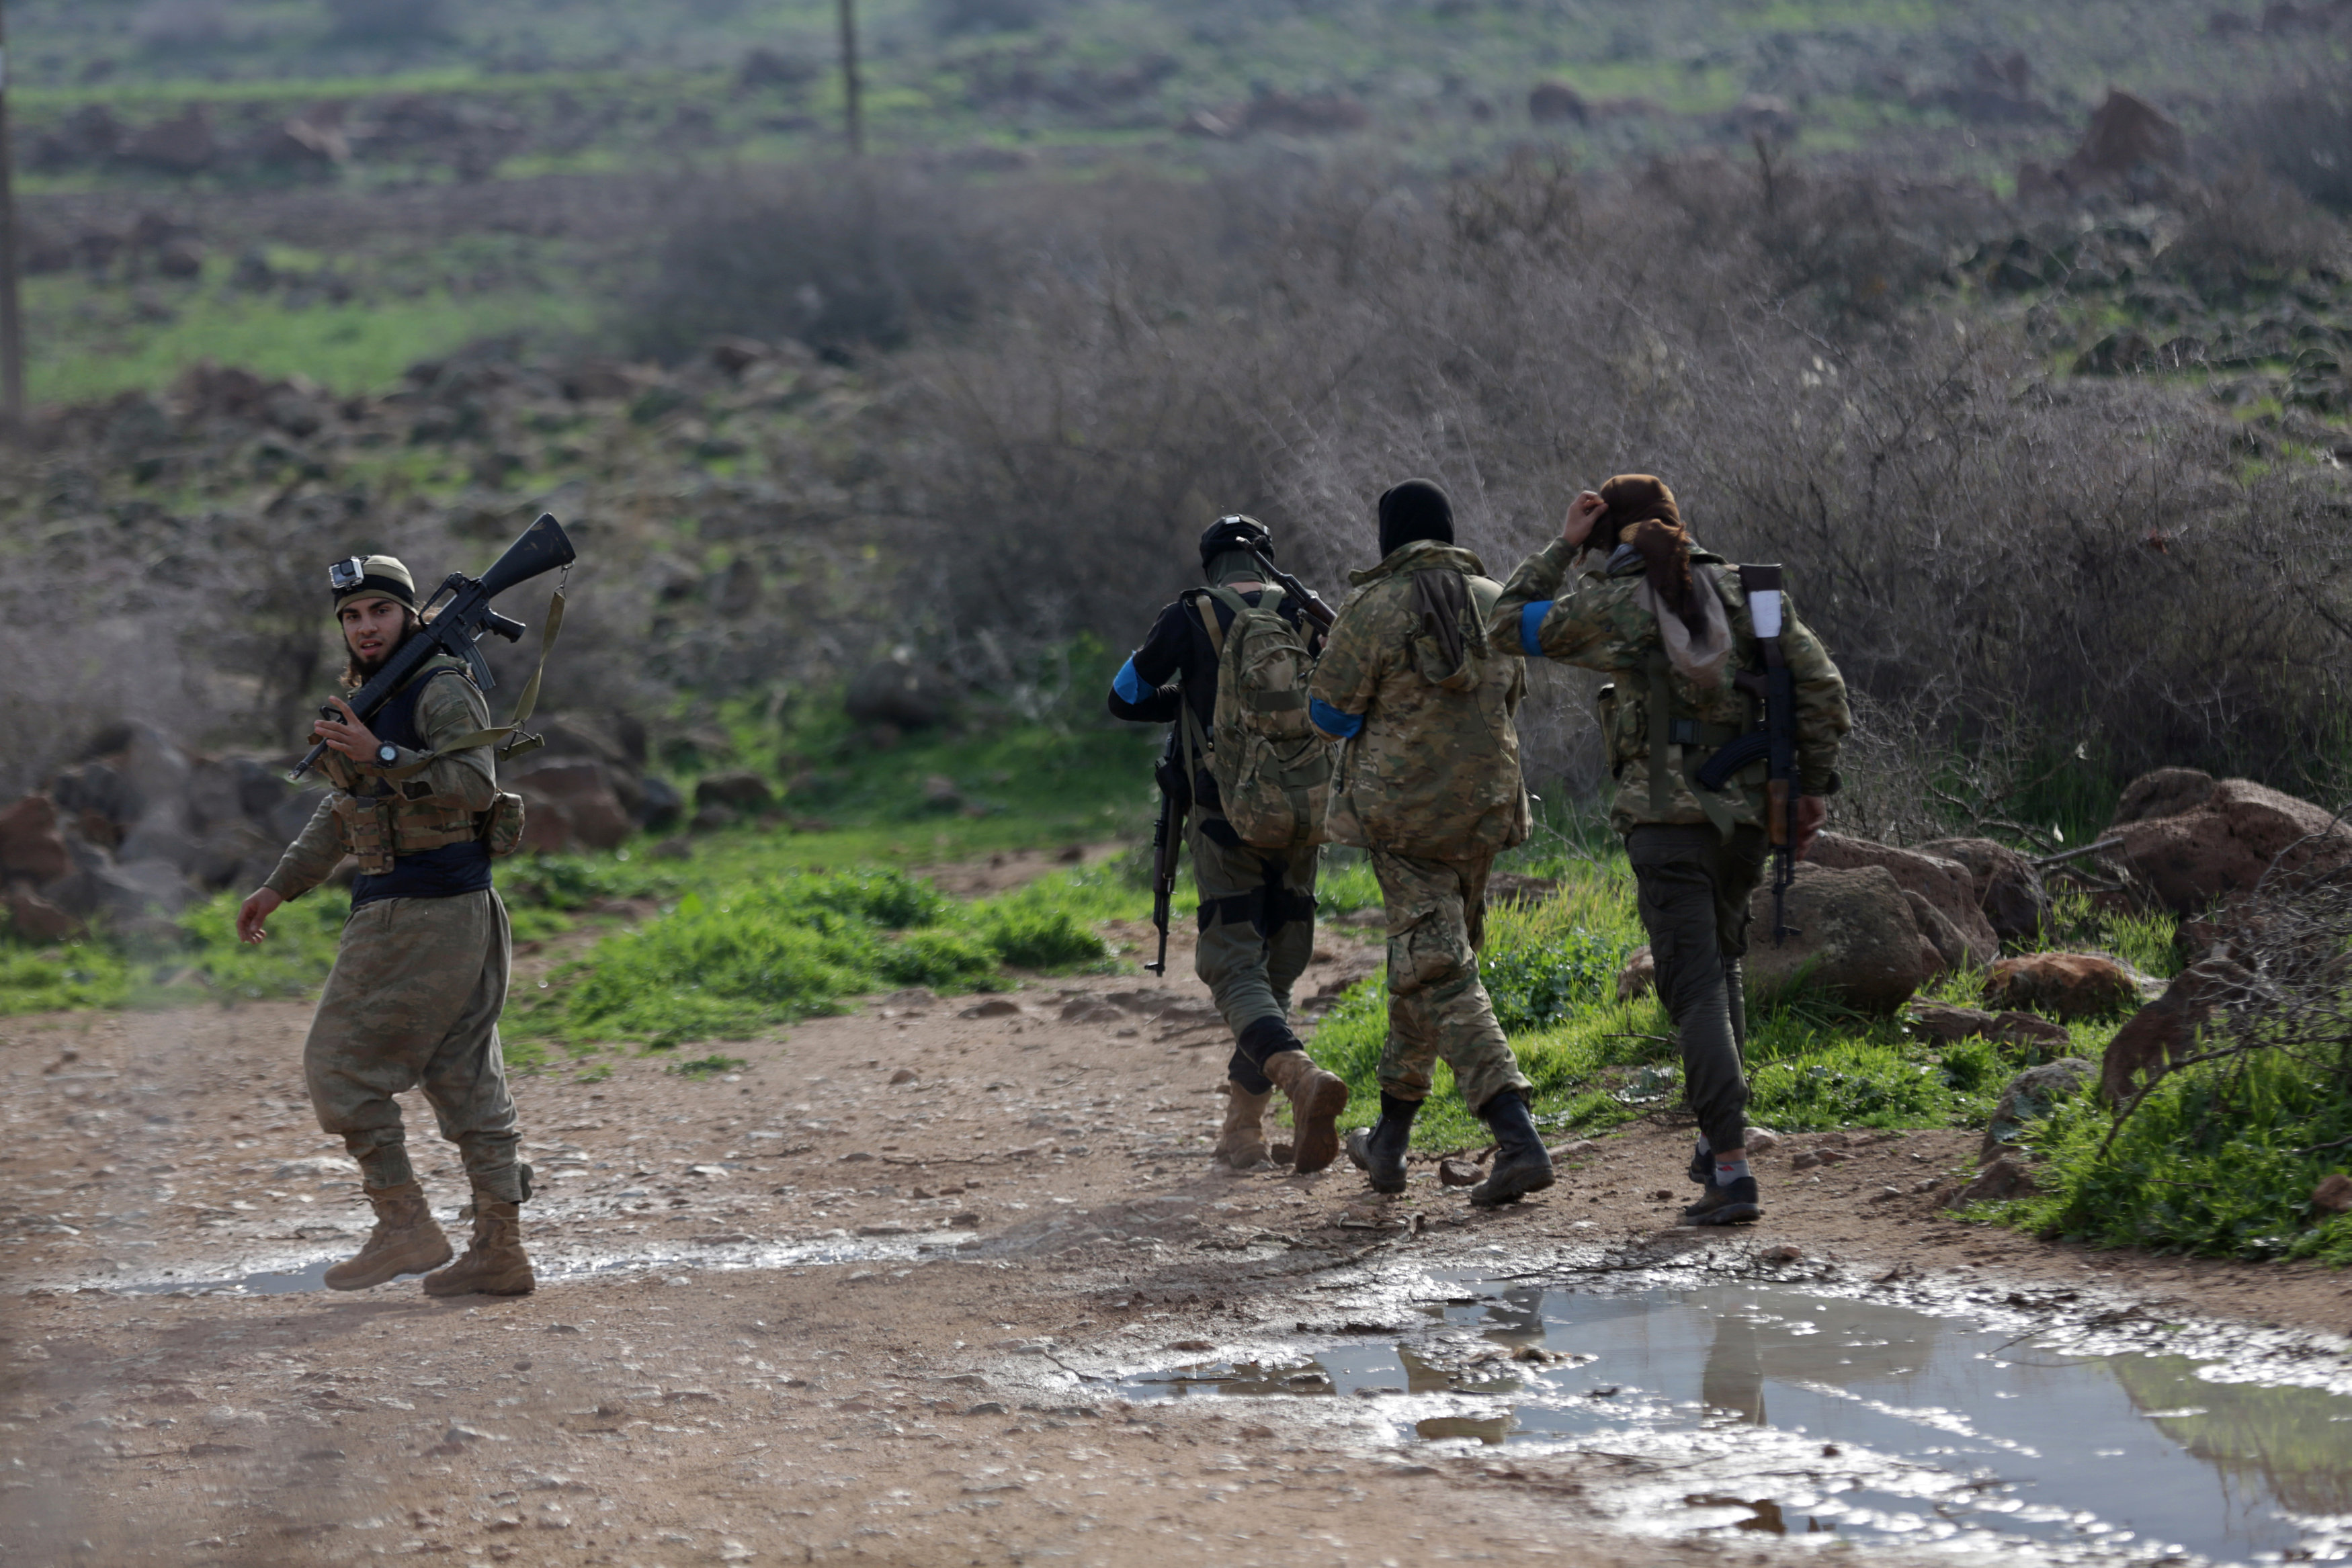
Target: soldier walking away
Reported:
point(421, 974)
point(1430, 785)
point(1678, 631)
point(1258, 905)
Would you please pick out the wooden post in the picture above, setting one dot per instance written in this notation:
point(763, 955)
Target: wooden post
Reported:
point(849, 83)
point(12, 321)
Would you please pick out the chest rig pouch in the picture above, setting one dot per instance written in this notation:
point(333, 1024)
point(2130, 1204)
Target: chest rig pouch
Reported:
point(378, 818)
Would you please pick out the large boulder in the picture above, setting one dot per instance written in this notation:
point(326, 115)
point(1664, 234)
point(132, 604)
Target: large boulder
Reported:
point(35, 919)
point(2066, 984)
point(31, 847)
point(1854, 937)
point(2192, 840)
point(578, 792)
point(1947, 885)
point(2028, 1097)
point(2006, 887)
point(2165, 1030)
point(735, 792)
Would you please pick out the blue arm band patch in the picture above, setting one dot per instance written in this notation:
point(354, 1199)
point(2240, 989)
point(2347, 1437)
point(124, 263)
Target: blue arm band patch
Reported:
point(1128, 685)
point(1531, 621)
point(1332, 721)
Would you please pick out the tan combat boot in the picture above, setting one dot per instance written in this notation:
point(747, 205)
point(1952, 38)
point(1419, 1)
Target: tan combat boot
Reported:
point(1317, 1098)
point(405, 1241)
point(1241, 1142)
point(494, 1264)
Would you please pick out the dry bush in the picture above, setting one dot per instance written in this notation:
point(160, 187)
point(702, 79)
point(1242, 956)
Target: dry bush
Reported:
point(2246, 225)
point(2300, 131)
point(839, 257)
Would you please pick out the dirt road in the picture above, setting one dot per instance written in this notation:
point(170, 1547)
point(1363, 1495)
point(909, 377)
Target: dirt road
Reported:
point(894, 1290)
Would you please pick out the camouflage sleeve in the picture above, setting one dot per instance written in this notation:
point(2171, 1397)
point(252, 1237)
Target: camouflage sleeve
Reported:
point(1536, 581)
point(449, 708)
point(1355, 657)
point(1823, 715)
point(314, 853)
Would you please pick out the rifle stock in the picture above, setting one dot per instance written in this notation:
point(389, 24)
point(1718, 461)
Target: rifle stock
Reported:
point(1782, 791)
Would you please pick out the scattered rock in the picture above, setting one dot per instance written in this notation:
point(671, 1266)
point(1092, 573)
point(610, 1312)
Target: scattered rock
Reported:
point(1782, 1256)
point(35, 919)
point(994, 1007)
point(986, 1407)
point(1884, 1193)
point(2334, 1194)
point(1459, 1173)
point(2165, 1030)
point(1761, 1141)
point(579, 792)
point(1557, 103)
point(1856, 938)
point(1256, 1433)
point(31, 846)
point(2067, 985)
point(1510, 887)
point(1582, 1148)
point(2028, 1097)
point(1639, 978)
point(2126, 133)
point(896, 691)
point(2004, 1179)
point(736, 791)
point(1950, 1024)
point(2005, 884)
point(905, 1075)
point(2192, 840)
point(968, 1220)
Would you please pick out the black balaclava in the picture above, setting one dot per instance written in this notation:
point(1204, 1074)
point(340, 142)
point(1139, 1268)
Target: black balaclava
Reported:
point(1416, 509)
point(1225, 545)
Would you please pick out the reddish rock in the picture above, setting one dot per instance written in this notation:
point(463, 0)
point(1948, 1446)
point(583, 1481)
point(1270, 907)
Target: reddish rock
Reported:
point(1951, 1024)
point(2064, 985)
point(2212, 844)
point(2006, 887)
point(30, 845)
point(2334, 1195)
point(2004, 1179)
point(1459, 1173)
point(36, 919)
point(1854, 937)
point(2165, 1031)
point(2126, 133)
point(1639, 978)
point(1947, 885)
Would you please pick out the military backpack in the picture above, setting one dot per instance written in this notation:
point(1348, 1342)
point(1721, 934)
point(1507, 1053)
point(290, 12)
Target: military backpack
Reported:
point(1273, 771)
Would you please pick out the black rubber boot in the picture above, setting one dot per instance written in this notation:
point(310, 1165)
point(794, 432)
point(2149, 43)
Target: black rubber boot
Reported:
point(1702, 1166)
point(1522, 1163)
point(1379, 1151)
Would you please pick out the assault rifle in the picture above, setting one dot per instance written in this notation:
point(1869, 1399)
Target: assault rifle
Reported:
point(460, 623)
point(1167, 844)
point(1775, 744)
point(1314, 609)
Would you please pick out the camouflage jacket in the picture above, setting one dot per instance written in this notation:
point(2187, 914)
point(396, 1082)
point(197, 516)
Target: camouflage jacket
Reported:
point(1601, 624)
point(1433, 768)
point(435, 804)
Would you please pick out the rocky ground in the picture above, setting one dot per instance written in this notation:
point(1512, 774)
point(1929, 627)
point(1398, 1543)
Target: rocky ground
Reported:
point(870, 1295)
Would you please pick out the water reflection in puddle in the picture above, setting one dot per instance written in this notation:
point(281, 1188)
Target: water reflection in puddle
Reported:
point(1781, 1410)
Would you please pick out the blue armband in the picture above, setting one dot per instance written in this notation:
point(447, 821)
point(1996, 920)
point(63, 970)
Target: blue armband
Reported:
point(1531, 618)
point(1332, 721)
point(1128, 685)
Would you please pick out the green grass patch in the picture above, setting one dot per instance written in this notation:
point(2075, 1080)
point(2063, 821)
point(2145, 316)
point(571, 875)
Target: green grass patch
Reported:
point(2219, 1161)
point(53, 979)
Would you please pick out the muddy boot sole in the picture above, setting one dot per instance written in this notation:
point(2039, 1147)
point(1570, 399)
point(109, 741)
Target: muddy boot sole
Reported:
point(1510, 1182)
point(1315, 1118)
point(364, 1272)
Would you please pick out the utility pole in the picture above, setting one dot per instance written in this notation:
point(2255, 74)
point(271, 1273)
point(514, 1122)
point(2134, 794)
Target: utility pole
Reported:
point(849, 78)
point(12, 318)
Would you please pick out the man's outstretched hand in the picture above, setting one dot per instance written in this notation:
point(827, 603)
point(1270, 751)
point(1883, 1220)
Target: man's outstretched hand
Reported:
point(252, 915)
point(1582, 513)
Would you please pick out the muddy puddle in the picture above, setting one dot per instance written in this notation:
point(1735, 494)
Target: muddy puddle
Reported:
point(1786, 1410)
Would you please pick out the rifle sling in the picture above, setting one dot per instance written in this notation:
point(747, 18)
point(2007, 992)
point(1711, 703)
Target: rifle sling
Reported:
point(524, 706)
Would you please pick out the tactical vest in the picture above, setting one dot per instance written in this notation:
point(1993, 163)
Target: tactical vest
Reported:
point(376, 818)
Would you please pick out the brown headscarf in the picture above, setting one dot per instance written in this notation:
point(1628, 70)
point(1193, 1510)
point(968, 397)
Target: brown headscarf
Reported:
point(1641, 513)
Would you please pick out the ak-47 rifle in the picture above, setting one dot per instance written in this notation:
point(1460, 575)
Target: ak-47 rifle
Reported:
point(1167, 844)
point(459, 624)
point(1314, 609)
point(1775, 744)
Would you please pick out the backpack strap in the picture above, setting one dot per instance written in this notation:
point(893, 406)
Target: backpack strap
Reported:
point(518, 740)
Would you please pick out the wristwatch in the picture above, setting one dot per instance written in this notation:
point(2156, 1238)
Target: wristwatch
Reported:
point(387, 754)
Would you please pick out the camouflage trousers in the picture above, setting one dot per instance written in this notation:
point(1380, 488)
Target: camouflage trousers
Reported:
point(1257, 930)
point(1437, 1006)
point(413, 1001)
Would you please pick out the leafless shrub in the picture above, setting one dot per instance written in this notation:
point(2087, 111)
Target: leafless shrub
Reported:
point(2247, 224)
point(2300, 131)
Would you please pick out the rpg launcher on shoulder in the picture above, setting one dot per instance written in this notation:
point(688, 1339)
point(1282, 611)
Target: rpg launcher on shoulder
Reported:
point(460, 623)
point(1775, 744)
point(1304, 596)
point(1167, 844)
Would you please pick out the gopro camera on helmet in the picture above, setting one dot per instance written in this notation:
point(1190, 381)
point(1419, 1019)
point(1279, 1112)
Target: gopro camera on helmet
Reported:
point(346, 574)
